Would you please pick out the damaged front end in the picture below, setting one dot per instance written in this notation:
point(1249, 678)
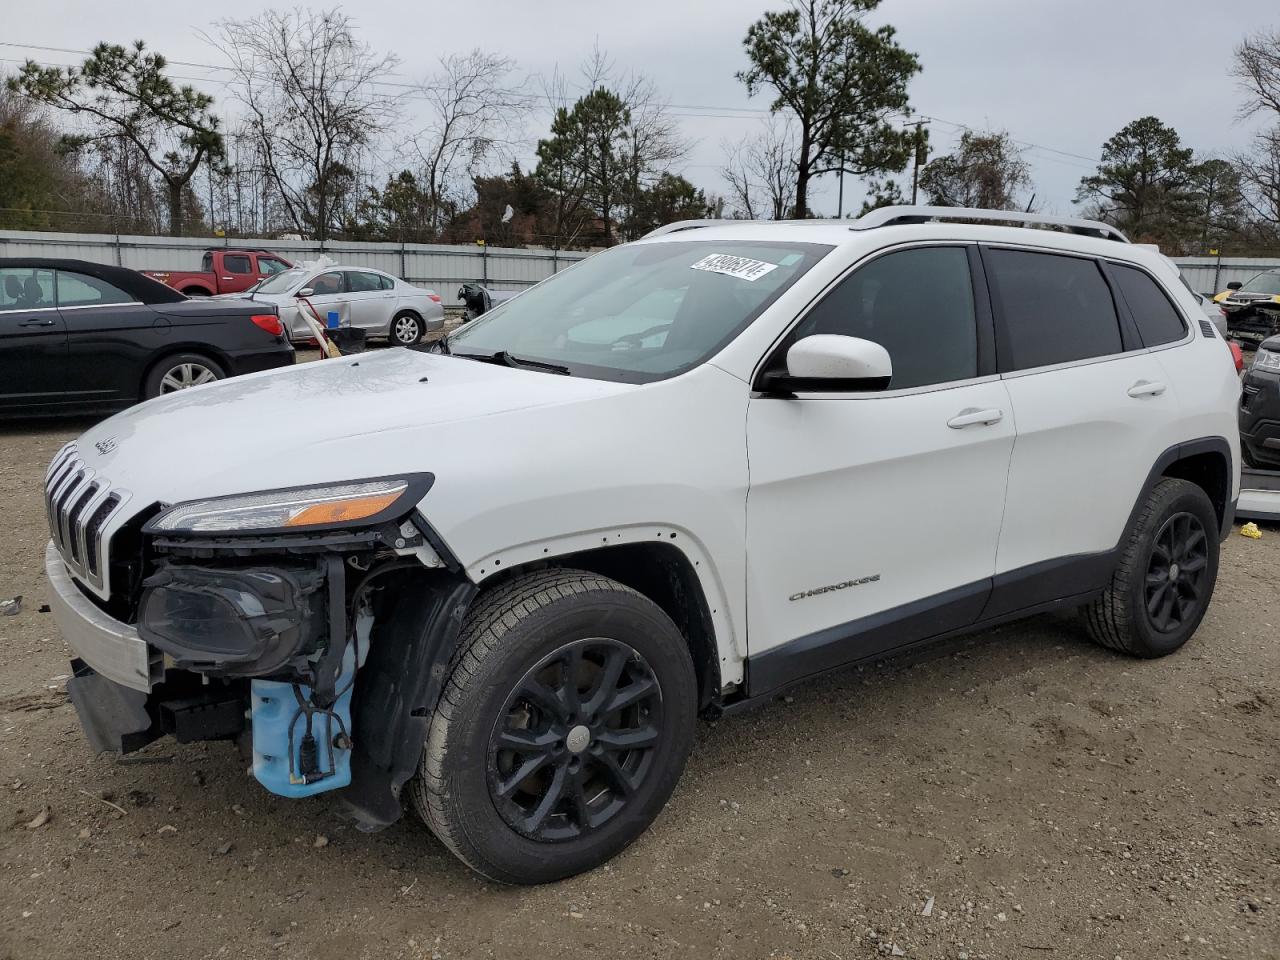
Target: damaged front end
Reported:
point(324, 644)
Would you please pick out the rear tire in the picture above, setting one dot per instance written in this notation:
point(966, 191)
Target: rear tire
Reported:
point(562, 730)
point(406, 329)
point(1162, 586)
point(180, 371)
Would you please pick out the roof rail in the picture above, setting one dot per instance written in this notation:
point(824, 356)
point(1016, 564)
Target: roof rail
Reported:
point(889, 216)
point(681, 225)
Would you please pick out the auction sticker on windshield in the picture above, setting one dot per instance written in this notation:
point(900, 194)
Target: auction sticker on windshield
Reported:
point(740, 267)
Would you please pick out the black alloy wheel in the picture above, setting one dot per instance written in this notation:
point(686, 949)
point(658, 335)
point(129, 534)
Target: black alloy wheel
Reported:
point(576, 740)
point(566, 721)
point(1162, 584)
point(1176, 572)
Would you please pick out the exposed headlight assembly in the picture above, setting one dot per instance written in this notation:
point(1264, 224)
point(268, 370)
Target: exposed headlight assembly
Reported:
point(1267, 360)
point(298, 509)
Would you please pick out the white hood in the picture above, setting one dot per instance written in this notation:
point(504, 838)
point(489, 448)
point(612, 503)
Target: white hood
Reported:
point(362, 416)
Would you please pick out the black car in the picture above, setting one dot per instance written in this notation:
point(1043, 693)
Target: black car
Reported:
point(1260, 408)
point(1253, 308)
point(79, 337)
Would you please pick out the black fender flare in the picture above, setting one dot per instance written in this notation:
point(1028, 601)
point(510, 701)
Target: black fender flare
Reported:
point(1182, 451)
point(417, 622)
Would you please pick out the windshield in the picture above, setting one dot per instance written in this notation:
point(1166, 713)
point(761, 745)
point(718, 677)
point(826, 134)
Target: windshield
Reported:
point(1268, 283)
point(282, 282)
point(642, 312)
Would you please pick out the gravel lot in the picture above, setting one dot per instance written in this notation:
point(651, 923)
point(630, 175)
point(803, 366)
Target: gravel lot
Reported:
point(1044, 797)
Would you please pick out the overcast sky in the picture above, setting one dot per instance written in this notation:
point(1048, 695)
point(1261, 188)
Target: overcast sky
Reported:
point(1060, 74)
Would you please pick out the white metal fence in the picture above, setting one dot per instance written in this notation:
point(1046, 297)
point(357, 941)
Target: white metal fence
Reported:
point(439, 266)
point(1212, 274)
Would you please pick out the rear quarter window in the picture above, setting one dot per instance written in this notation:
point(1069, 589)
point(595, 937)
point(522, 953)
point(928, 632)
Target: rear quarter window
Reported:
point(1157, 318)
point(81, 290)
point(1053, 309)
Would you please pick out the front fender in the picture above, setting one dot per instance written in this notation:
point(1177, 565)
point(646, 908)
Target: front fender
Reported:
point(730, 642)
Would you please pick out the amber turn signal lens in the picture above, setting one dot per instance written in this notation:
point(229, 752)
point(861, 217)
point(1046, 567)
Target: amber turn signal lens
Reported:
point(340, 511)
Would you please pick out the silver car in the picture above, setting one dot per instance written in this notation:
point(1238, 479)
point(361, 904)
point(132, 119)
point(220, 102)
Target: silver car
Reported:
point(382, 305)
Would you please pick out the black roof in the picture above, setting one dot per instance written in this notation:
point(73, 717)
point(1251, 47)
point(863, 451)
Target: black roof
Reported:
point(139, 287)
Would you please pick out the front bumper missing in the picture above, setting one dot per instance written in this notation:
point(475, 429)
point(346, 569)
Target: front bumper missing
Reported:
point(113, 649)
point(125, 698)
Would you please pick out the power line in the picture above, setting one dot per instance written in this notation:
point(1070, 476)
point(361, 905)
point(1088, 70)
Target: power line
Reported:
point(711, 112)
point(716, 110)
point(1024, 143)
point(548, 103)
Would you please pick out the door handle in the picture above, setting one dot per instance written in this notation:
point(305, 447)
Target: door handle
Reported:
point(970, 416)
point(1147, 388)
point(36, 323)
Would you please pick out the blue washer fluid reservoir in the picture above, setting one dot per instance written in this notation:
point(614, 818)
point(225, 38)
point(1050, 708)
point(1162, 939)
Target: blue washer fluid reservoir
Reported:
point(274, 708)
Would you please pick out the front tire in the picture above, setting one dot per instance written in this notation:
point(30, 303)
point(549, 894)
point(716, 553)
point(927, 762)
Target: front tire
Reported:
point(406, 329)
point(563, 728)
point(1162, 586)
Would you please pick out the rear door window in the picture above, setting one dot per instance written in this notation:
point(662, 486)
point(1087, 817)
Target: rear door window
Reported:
point(386, 282)
point(1052, 309)
point(1157, 318)
point(360, 282)
point(237, 263)
point(82, 290)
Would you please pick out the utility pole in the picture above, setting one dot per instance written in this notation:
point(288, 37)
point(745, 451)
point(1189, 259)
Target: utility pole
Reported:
point(921, 155)
point(840, 201)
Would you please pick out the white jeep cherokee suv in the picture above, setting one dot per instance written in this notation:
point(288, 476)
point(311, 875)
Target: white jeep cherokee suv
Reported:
point(506, 576)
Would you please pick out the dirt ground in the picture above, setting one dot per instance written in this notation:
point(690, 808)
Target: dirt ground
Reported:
point(1044, 798)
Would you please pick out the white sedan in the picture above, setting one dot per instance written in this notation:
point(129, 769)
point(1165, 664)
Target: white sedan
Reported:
point(382, 305)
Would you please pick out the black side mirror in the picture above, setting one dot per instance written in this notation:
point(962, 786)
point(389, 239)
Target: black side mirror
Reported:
point(1234, 285)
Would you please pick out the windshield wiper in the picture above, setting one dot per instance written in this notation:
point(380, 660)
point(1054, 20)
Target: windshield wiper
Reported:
point(507, 360)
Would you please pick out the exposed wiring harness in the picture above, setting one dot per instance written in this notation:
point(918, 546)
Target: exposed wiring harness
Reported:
point(307, 769)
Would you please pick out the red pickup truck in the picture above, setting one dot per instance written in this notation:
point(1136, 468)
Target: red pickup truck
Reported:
point(222, 271)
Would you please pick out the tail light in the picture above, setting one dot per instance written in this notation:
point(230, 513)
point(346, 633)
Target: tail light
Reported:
point(434, 297)
point(1236, 354)
point(269, 322)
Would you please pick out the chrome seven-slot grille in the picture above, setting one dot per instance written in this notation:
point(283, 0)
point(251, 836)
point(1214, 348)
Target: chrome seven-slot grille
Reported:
point(79, 503)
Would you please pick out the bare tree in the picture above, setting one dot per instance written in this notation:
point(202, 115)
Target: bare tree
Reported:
point(651, 141)
point(761, 172)
point(1257, 68)
point(1260, 176)
point(314, 100)
point(477, 116)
